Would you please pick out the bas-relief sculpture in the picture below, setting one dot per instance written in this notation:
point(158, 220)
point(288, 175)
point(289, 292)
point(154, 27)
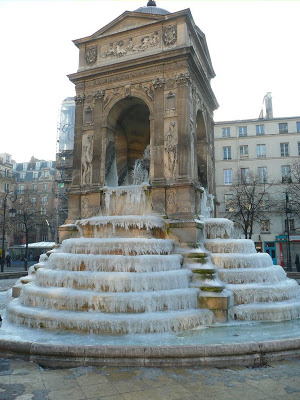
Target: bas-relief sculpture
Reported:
point(87, 158)
point(171, 149)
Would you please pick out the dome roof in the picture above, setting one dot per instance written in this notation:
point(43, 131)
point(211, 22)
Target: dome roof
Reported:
point(152, 10)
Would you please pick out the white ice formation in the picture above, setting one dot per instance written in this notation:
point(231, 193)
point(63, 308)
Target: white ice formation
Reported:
point(261, 290)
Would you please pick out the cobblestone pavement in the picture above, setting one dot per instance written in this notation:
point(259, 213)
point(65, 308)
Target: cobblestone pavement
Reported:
point(21, 380)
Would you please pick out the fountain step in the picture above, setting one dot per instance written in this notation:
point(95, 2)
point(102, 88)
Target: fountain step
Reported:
point(271, 274)
point(114, 263)
point(230, 246)
point(118, 246)
point(261, 292)
point(218, 228)
point(274, 311)
point(122, 226)
point(233, 260)
point(97, 322)
point(86, 300)
point(114, 281)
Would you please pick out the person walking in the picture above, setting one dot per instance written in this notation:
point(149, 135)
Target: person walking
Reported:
point(8, 260)
point(297, 262)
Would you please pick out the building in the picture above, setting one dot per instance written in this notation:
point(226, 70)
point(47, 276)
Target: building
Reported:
point(64, 159)
point(34, 183)
point(266, 147)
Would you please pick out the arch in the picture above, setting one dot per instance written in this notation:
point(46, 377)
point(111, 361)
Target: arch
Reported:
point(202, 148)
point(127, 138)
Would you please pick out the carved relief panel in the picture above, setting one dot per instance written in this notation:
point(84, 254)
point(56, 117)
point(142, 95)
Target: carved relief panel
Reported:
point(87, 158)
point(171, 151)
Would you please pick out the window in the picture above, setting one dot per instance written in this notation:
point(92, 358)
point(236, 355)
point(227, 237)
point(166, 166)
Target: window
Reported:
point(262, 174)
point(25, 166)
point(33, 200)
point(21, 188)
point(244, 150)
point(225, 132)
point(6, 187)
point(260, 129)
point(298, 126)
point(245, 175)
point(46, 174)
point(284, 149)
point(43, 211)
point(265, 226)
point(20, 200)
point(44, 238)
point(44, 199)
point(22, 175)
point(34, 187)
point(49, 163)
point(227, 176)
point(35, 176)
point(242, 130)
point(264, 200)
point(38, 165)
point(45, 186)
point(286, 173)
point(227, 153)
point(283, 127)
point(291, 225)
point(7, 158)
point(261, 150)
point(228, 202)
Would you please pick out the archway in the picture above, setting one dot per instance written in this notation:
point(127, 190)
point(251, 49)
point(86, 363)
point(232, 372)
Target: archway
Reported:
point(127, 139)
point(202, 149)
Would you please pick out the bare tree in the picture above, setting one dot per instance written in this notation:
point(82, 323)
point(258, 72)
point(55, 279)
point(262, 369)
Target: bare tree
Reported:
point(250, 202)
point(293, 188)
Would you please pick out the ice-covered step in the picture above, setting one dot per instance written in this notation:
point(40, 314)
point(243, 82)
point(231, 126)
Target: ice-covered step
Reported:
point(273, 311)
point(230, 245)
point(217, 228)
point(122, 226)
point(263, 292)
point(232, 260)
point(271, 274)
point(107, 302)
point(114, 263)
point(96, 322)
point(122, 246)
point(114, 281)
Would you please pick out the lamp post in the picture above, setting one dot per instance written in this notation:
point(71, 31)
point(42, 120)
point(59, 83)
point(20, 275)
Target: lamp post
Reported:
point(288, 213)
point(12, 213)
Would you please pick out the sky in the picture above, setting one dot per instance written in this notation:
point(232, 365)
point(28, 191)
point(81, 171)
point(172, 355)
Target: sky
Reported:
point(254, 47)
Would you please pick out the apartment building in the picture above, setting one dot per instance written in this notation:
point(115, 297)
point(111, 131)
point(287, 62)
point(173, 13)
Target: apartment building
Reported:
point(266, 147)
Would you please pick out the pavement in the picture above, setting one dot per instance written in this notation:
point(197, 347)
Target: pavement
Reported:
point(22, 380)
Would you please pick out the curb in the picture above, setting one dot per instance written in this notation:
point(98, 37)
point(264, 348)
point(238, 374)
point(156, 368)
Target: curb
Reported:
point(218, 355)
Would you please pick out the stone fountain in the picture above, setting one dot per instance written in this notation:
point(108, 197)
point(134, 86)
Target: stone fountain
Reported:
point(141, 252)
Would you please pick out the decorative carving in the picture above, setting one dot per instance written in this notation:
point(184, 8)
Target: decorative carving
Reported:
point(129, 76)
point(183, 78)
point(85, 207)
point(89, 98)
point(122, 48)
point(159, 83)
point(87, 158)
point(170, 83)
point(79, 99)
point(171, 101)
point(88, 116)
point(127, 91)
point(148, 90)
point(171, 148)
point(171, 201)
point(80, 86)
point(91, 54)
point(170, 35)
point(99, 94)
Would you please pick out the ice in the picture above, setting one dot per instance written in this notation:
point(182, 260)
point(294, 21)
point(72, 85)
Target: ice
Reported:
point(117, 263)
point(233, 260)
point(230, 245)
point(206, 205)
point(114, 281)
point(126, 246)
point(269, 274)
point(218, 228)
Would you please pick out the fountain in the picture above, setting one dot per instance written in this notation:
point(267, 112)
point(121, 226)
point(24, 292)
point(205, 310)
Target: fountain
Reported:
point(143, 269)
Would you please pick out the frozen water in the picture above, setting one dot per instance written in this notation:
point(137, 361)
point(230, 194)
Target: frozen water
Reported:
point(230, 245)
point(218, 228)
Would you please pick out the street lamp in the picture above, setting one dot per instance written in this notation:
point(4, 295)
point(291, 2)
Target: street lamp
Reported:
point(288, 213)
point(12, 213)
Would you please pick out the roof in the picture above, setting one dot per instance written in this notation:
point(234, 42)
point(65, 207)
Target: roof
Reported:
point(152, 10)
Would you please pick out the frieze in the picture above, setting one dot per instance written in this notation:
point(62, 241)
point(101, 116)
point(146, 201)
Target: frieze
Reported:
point(131, 46)
point(91, 54)
point(159, 83)
point(170, 35)
point(128, 76)
point(80, 86)
point(79, 99)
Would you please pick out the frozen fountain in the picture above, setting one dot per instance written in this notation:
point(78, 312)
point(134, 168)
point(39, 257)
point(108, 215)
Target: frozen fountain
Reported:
point(143, 274)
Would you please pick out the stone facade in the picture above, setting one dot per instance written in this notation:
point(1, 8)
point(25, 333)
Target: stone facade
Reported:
point(144, 79)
